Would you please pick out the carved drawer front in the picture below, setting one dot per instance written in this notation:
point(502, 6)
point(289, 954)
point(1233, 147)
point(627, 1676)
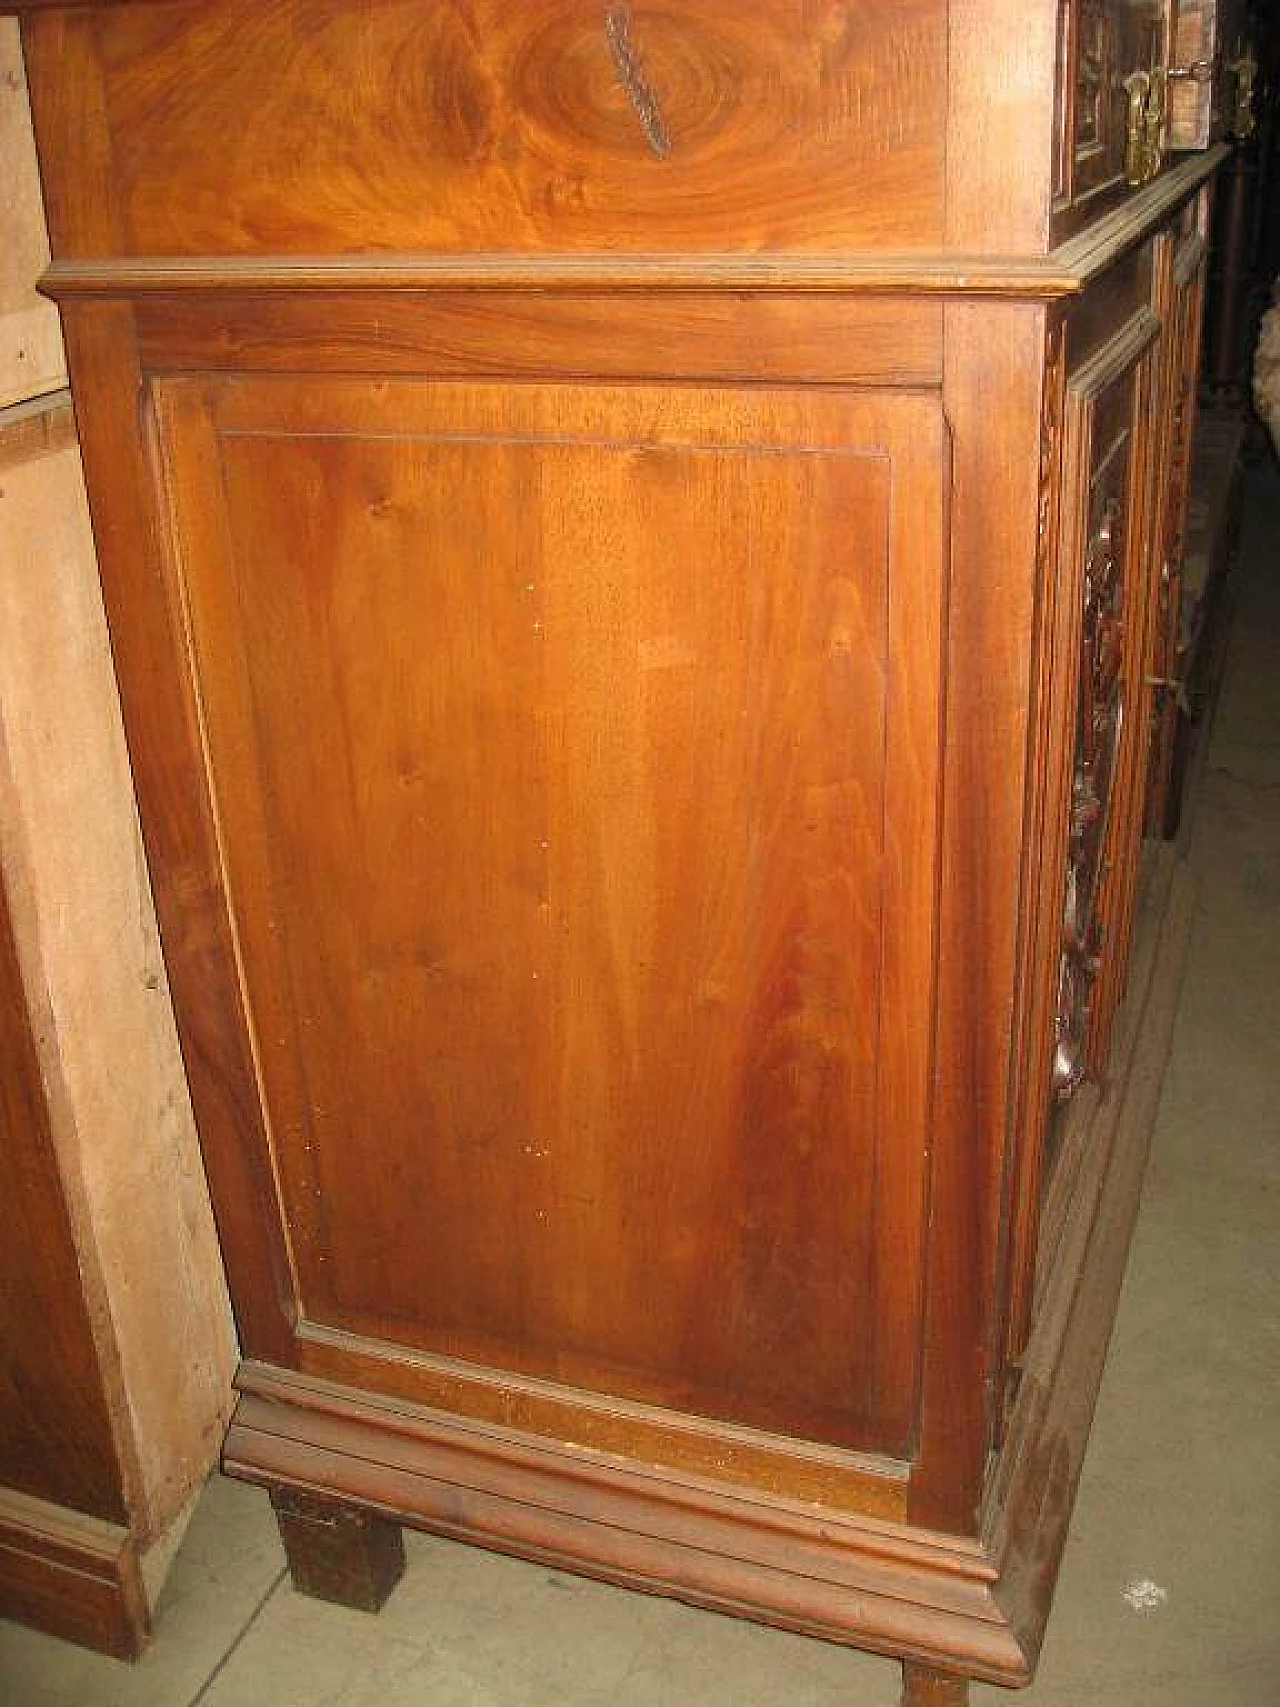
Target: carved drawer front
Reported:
point(306, 127)
point(1105, 542)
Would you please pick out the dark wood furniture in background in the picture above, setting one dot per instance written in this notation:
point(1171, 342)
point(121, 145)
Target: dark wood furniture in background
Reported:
point(638, 540)
point(116, 1347)
point(1244, 257)
point(65, 1561)
point(116, 1350)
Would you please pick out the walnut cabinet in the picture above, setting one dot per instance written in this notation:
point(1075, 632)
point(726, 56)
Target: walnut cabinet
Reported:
point(640, 541)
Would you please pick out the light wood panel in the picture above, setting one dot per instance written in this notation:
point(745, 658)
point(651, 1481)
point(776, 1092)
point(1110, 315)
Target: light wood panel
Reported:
point(31, 359)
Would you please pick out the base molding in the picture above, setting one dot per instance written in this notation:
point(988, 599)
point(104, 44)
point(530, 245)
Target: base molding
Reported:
point(865, 1581)
point(72, 1576)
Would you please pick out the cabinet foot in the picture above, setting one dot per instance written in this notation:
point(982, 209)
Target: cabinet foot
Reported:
point(922, 1686)
point(338, 1552)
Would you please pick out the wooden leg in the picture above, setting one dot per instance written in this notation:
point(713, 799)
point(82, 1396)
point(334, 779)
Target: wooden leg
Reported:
point(338, 1552)
point(922, 1686)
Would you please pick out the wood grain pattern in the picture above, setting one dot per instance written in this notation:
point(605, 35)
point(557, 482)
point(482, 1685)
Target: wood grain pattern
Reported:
point(510, 127)
point(591, 970)
point(999, 156)
point(68, 111)
point(513, 334)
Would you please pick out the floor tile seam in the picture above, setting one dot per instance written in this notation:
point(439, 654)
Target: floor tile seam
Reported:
point(202, 1693)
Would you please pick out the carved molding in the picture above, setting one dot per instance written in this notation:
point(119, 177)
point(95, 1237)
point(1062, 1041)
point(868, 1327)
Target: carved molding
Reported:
point(1099, 727)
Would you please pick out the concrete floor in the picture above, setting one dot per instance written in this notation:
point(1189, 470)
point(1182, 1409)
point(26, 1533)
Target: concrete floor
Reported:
point(1179, 1510)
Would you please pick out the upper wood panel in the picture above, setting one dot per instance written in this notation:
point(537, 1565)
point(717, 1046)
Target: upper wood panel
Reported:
point(315, 126)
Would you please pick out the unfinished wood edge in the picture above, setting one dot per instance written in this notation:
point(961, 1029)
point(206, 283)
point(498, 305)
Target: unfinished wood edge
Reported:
point(148, 1263)
point(32, 362)
point(17, 864)
point(157, 1554)
point(71, 1576)
point(1029, 1503)
point(867, 1583)
point(38, 426)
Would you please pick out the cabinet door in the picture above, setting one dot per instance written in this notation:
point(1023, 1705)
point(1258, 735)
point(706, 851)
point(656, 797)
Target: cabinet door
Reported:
point(1207, 49)
point(1182, 294)
point(1104, 44)
point(1107, 547)
point(575, 758)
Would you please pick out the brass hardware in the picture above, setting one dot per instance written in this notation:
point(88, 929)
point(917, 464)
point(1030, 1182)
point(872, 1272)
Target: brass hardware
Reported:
point(1245, 67)
point(1137, 86)
point(1144, 125)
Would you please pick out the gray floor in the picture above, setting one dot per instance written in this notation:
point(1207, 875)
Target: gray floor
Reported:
point(1170, 1590)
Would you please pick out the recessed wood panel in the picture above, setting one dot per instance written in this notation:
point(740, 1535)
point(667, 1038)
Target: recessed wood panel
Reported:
point(310, 127)
point(574, 856)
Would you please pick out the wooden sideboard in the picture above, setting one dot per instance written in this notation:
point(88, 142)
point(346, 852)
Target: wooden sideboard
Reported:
point(639, 541)
point(116, 1349)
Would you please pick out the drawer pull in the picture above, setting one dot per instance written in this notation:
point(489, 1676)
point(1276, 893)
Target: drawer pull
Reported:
point(1136, 87)
point(617, 27)
point(1144, 128)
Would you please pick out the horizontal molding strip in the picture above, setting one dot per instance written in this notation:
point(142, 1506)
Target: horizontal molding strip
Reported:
point(1065, 271)
point(982, 275)
point(872, 1583)
point(71, 1575)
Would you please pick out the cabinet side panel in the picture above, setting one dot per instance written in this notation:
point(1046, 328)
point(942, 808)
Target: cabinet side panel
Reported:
point(550, 728)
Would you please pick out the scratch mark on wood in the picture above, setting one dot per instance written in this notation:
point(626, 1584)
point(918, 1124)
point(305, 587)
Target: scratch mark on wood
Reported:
point(617, 25)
